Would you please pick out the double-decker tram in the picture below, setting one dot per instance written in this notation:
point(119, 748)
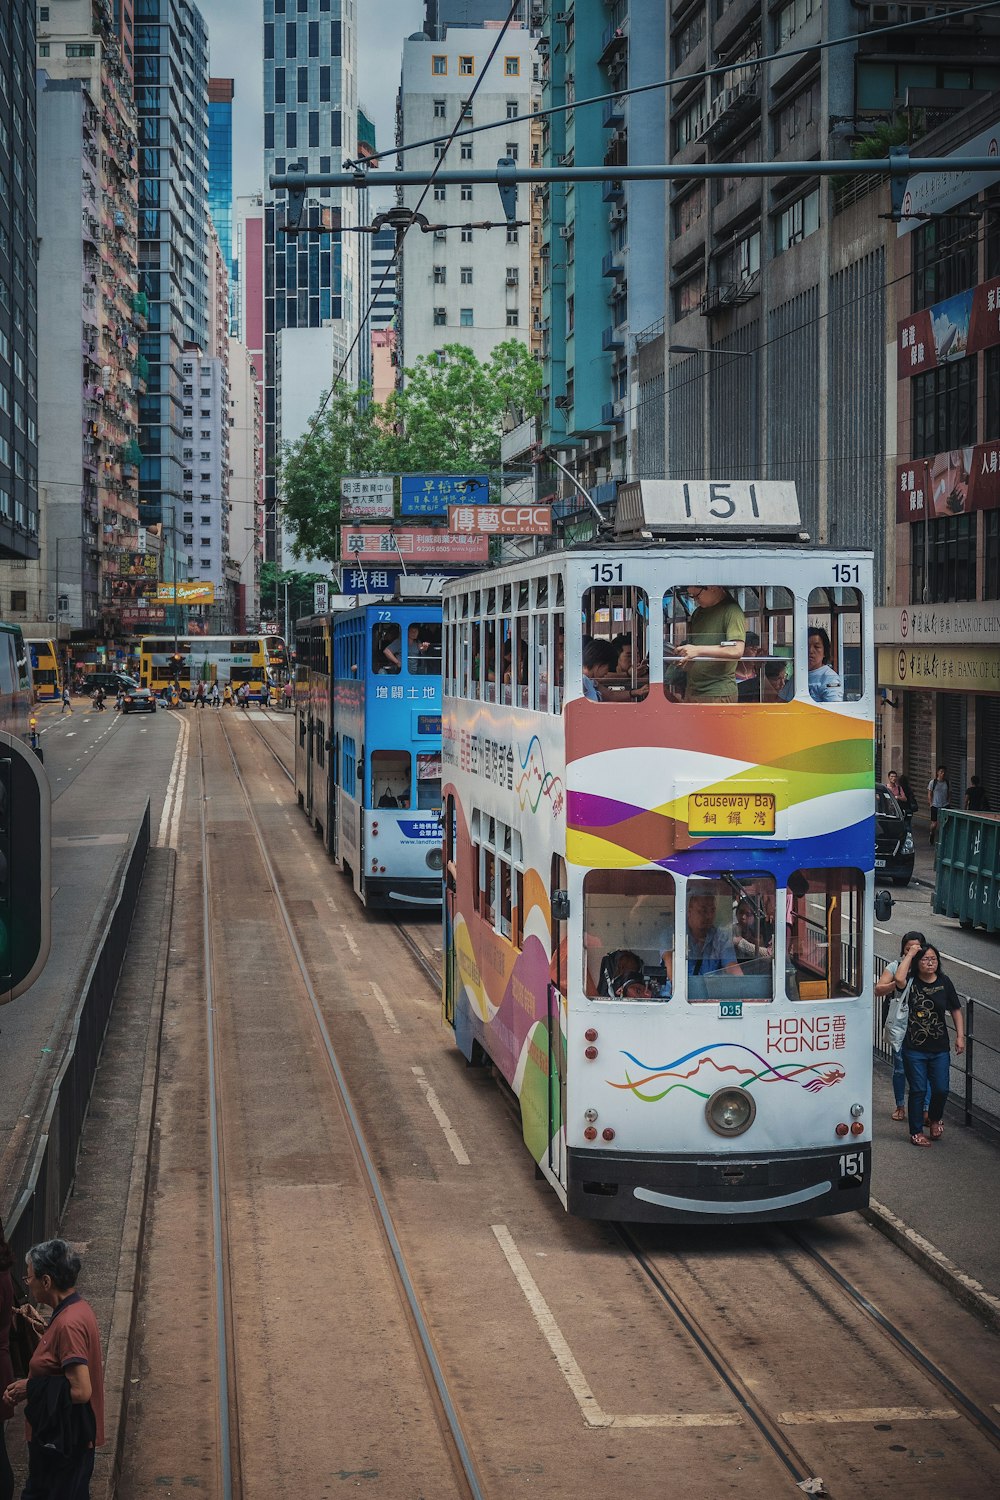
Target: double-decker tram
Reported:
point(46, 678)
point(190, 659)
point(15, 682)
point(368, 745)
point(658, 834)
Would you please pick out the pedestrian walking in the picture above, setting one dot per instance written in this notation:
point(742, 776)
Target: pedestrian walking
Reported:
point(65, 1422)
point(199, 697)
point(215, 695)
point(6, 1367)
point(896, 1018)
point(227, 695)
point(287, 693)
point(937, 797)
point(976, 799)
point(242, 695)
point(66, 704)
point(926, 1042)
point(99, 699)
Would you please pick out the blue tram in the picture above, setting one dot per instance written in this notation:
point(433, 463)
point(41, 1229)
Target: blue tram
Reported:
point(368, 745)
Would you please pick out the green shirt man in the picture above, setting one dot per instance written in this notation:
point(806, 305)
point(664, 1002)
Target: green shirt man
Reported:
point(716, 637)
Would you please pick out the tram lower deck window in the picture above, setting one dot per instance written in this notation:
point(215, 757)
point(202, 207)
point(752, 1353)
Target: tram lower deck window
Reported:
point(390, 778)
point(628, 922)
point(824, 933)
point(729, 937)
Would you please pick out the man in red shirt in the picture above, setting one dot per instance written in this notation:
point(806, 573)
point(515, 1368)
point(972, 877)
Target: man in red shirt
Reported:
point(70, 1350)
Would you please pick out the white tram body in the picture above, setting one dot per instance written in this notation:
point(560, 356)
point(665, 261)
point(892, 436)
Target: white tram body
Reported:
point(705, 824)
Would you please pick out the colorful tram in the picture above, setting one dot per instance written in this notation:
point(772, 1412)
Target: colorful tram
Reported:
point(659, 857)
point(368, 746)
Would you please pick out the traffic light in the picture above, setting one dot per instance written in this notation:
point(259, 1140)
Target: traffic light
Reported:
point(25, 884)
point(176, 661)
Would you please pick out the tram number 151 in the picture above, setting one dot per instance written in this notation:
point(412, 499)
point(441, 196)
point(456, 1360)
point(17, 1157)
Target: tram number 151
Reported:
point(852, 1164)
point(607, 572)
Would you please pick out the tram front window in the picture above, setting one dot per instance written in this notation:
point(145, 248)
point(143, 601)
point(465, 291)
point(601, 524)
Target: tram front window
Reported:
point(824, 931)
point(615, 647)
point(729, 938)
point(628, 924)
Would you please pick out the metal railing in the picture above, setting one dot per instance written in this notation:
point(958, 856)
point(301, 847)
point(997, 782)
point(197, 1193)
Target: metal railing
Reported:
point(975, 1075)
point(39, 1208)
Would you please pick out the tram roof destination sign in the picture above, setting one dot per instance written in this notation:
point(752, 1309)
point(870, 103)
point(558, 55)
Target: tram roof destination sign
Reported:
point(707, 505)
point(431, 494)
point(416, 544)
point(501, 520)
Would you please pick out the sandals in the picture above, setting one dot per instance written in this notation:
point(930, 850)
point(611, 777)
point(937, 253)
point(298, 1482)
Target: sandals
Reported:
point(937, 1129)
point(899, 1113)
point(919, 1139)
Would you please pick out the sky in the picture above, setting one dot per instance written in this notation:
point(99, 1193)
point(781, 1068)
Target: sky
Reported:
point(235, 32)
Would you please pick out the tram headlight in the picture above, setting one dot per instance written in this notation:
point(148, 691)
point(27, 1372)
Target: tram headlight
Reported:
point(731, 1111)
point(857, 1110)
point(433, 858)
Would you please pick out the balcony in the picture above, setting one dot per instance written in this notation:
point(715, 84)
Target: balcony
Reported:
point(613, 264)
point(731, 108)
point(613, 116)
point(729, 294)
point(614, 46)
point(613, 413)
point(613, 191)
point(612, 339)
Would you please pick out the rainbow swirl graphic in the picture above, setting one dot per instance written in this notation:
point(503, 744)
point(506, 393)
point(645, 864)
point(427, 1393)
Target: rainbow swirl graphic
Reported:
point(752, 1068)
point(534, 782)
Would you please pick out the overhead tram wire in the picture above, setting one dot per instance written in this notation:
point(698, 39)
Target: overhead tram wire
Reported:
point(676, 83)
point(404, 229)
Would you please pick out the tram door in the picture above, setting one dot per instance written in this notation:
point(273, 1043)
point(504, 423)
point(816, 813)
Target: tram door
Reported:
point(557, 990)
point(450, 901)
point(310, 766)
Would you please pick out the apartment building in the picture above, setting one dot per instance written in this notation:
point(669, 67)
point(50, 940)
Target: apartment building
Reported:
point(462, 283)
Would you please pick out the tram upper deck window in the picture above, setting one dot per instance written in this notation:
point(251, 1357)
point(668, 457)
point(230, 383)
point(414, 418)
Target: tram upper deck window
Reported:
point(386, 648)
point(728, 645)
point(824, 930)
point(423, 648)
point(615, 655)
point(391, 778)
point(626, 914)
point(729, 937)
point(835, 645)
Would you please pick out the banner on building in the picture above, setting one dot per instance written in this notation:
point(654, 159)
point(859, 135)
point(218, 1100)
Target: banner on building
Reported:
point(193, 591)
point(432, 494)
point(150, 616)
point(321, 597)
point(964, 324)
point(367, 499)
point(500, 520)
point(961, 668)
point(412, 545)
point(369, 580)
point(936, 192)
point(136, 564)
point(949, 484)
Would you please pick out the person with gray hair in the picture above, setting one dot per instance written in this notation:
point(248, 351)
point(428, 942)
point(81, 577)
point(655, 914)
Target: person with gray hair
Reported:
point(64, 1391)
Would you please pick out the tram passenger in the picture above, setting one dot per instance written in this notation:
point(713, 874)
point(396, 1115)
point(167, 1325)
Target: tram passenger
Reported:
point(748, 670)
point(824, 684)
point(385, 657)
point(716, 638)
point(599, 658)
point(618, 967)
point(628, 680)
point(774, 682)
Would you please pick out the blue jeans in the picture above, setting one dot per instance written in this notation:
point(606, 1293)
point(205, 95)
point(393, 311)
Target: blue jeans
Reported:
point(926, 1070)
point(899, 1081)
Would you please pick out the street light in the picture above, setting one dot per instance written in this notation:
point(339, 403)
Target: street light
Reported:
point(694, 349)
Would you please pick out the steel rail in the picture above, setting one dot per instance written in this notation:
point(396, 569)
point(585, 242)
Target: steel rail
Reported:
point(270, 748)
point(440, 1386)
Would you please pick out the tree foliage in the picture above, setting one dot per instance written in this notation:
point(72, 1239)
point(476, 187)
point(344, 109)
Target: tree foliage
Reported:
point(300, 592)
point(448, 418)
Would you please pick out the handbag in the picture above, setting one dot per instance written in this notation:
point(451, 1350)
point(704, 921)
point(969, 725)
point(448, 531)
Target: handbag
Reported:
point(27, 1327)
point(896, 1020)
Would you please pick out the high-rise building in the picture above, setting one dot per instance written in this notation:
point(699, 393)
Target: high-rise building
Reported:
point(310, 117)
point(220, 175)
point(246, 440)
point(439, 14)
point(18, 289)
point(383, 279)
point(462, 284)
point(171, 44)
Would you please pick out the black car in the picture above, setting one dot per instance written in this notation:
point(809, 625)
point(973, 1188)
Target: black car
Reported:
point(111, 682)
point(138, 700)
point(893, 840)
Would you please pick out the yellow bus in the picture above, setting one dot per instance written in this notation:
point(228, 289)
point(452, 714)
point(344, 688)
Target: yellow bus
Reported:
point(191, 659)
point(45, 674)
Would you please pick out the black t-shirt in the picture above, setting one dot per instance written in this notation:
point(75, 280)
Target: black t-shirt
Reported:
point(927, 1023)
point(976, 799)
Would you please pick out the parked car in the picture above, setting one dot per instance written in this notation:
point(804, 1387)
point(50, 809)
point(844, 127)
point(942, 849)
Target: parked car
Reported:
point(893, 839)
point(111, 682)
point(139, 700)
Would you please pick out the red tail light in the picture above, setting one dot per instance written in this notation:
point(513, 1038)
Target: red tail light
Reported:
point(843, 1129)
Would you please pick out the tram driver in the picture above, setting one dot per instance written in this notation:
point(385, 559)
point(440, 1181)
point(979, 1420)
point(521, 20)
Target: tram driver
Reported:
point(709, 947)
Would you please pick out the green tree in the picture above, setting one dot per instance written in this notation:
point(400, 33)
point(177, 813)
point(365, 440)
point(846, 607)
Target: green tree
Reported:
point(300, 592)
point(448, 418)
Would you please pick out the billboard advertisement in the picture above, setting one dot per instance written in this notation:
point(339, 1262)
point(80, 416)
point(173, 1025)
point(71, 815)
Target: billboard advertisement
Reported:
point(365, 544)
point(431, 494)
point(194, 591)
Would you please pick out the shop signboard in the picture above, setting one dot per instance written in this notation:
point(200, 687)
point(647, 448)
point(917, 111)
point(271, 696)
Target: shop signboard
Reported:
point(949, 484)
point(192, 591)
point(362, 544)
point(964, 324)
point(501, 520)
point(962, 669)
point(367, 499)
point(432, 494)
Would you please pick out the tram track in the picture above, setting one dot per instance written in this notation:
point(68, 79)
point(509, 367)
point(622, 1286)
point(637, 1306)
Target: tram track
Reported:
point(457, 1450)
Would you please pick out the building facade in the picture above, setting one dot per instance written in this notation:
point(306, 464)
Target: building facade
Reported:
point(383, 279)
point(246, 456)
point(939, 636)
point(221, 92)
point(310, 116)
point(19, 523)
point(461, 283)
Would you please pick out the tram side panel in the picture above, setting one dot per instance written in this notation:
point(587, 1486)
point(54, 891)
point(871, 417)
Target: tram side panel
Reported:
point(737, 1097)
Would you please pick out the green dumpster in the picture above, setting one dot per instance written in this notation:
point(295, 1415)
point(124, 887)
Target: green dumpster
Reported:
point(967, 879)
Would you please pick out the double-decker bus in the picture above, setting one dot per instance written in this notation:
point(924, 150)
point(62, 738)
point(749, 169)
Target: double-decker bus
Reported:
point(15, 682)
point(46, 678)
point(658, 839)
point(237, 660)
point(368, 745)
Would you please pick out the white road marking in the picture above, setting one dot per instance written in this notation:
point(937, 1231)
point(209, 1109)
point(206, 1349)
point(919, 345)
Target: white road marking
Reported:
point(574, 1376)
point(349, 940)
point(70, 733)
point(869, 1414)
point(391, 1021)
point(458, 1151)
point(173, 800)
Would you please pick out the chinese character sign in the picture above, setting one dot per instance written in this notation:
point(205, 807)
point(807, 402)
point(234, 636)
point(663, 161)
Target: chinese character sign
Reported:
point(431, 494)
point(369, 580)
point(376, 544)
point(501, 520)
point(321, 598)
point(367, 499)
